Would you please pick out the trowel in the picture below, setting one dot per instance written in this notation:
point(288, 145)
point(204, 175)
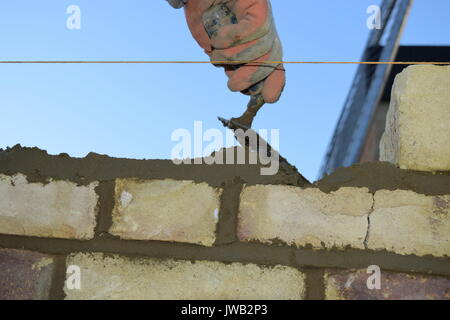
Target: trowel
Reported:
point(215, 18)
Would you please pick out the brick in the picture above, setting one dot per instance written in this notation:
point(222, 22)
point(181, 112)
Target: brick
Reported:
point(418, 121)
point(115, 277)
point(405, 222)
point(352, 285)
point(25, 275)
point(166, 210)
point(58, 209)
point(304, 216)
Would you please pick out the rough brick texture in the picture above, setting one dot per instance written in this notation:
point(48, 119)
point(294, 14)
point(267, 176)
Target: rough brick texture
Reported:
point(418, 122)
point(352, 285)
point(168, 210)
point(305, 216)
point(114, 277)
point(58, 209)
point(408, 223)
point(25, 275)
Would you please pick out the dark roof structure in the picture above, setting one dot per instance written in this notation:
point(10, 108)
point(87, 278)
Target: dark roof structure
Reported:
point(368, 87)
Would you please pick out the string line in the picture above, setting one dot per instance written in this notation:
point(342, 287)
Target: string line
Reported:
point(220, 62)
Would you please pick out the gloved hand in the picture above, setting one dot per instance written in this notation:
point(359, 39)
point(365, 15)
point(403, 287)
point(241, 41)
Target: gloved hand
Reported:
point(177, 4)
point(253, 38)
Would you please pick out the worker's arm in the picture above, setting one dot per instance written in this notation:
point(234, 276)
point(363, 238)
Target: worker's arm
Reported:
point(252, 38)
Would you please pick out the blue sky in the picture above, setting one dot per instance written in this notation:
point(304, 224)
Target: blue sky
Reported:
point(131, 110)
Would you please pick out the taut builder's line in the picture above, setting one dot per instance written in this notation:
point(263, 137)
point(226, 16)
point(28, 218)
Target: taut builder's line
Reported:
point(223, 62)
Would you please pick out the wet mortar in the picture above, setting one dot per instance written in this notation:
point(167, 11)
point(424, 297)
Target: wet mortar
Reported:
point(38, 166)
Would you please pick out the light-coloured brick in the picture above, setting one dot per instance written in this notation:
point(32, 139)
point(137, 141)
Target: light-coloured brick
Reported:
point(305, 216)
point(115, 277)
point(58, 209)
point(409, 223)
point(166, 210)
point(418, 122)
point(352, 285)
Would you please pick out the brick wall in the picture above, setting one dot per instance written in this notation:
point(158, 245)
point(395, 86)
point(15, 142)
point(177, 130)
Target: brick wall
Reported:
point(152, 238)
point(148, 229)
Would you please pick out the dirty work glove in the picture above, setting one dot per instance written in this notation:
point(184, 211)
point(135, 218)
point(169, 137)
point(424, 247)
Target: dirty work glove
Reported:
point(252, 38)
point(177, 4)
